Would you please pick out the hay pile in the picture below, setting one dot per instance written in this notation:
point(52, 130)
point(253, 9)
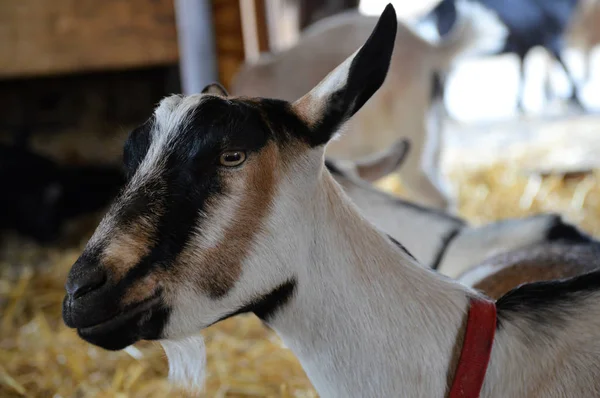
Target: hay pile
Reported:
point(40, 357)
point(503, 191)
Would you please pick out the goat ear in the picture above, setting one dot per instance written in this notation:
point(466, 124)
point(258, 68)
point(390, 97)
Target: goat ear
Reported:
point(381, 164)
point(346, 89)
point(215, 89)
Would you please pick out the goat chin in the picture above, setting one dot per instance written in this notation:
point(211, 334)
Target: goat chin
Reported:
point(187, 361)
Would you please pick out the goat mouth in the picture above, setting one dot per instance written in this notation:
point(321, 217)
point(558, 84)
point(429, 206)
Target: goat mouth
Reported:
point(143, 320)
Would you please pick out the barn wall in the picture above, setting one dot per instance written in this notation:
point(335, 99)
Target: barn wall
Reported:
point(41, 37)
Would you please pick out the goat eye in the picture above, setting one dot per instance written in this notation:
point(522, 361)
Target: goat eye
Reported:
point(232, 158)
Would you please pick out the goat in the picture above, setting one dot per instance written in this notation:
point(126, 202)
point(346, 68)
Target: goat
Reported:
point(400, 106)
point(530, 23)
point(229, 209)
point(501, 273)
point(438, 240)
point(492, 258)
point(584, 32)
point(40, 195)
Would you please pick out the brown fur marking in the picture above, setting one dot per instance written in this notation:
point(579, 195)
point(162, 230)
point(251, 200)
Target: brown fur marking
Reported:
point(126, 248)
point(216, 270)
point(308, 109)
point(543, 263)
point(127, 243)
point(141, 290)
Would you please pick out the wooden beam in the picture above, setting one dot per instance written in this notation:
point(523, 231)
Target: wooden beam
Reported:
point(42, 37)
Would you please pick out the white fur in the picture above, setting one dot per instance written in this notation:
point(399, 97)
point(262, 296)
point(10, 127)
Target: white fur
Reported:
point(334, 81)
point(187, 361)
point(172, 112)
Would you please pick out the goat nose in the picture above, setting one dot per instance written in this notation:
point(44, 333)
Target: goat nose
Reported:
point(85, 282)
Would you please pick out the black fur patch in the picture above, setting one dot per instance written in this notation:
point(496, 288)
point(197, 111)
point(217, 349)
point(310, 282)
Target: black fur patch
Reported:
point(445, 243)
point(147, 325)
point(145, 201)
point(437, 87)
point(561, 231)
point(282, 120)
point(401, 246)
point(265, 307)
point(548, 302)
point(333, 169)
point(136, 147)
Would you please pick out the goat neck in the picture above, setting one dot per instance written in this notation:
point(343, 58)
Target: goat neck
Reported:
point(366, 320)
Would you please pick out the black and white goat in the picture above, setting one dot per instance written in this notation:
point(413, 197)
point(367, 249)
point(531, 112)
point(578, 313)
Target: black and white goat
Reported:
point(400, 108)
point(530, 23)
point(439, 240)
point(229, 209)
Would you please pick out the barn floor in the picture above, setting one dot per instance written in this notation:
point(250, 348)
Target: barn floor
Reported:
point(490, 169)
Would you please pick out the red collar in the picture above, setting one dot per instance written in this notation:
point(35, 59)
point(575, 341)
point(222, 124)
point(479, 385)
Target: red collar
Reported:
point(476, 350)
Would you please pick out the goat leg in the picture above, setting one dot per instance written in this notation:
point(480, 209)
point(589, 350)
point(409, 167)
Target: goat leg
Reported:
point(586, 64)
point(521, 91)
point(575, 92)
point(554, 49)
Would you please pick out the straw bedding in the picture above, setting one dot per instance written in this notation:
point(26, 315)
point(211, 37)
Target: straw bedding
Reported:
point(40, 357)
